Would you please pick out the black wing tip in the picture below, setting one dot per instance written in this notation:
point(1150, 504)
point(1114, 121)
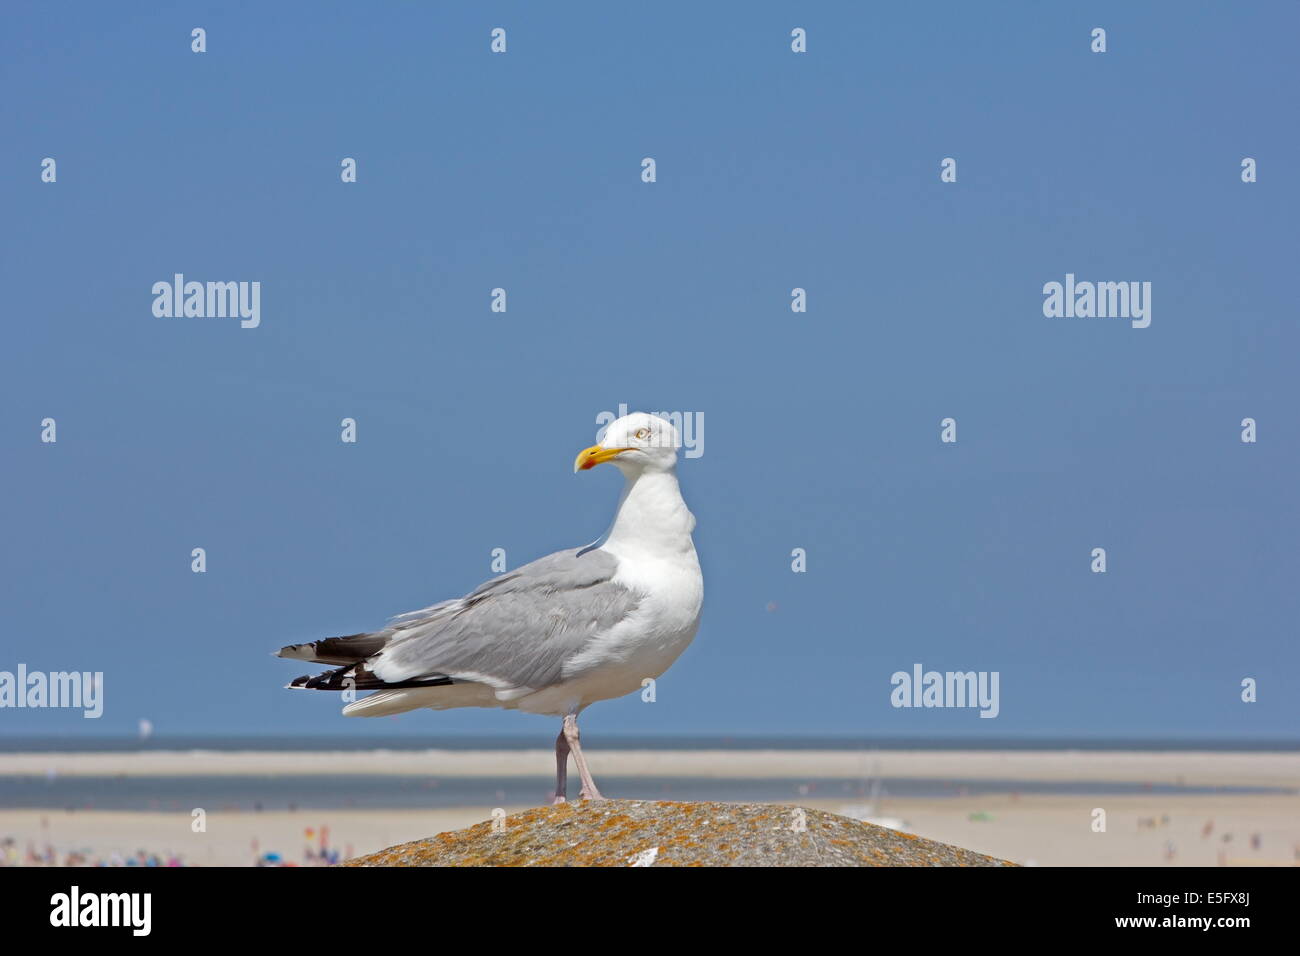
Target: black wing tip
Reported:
point(354, 677)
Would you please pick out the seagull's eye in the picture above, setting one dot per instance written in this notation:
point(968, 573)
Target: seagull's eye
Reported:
point(643, 433)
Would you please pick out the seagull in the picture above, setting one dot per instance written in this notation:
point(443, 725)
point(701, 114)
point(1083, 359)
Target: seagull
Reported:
point(557, 634)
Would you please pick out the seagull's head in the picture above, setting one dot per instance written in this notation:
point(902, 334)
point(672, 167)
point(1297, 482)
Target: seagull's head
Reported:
point(635, 443)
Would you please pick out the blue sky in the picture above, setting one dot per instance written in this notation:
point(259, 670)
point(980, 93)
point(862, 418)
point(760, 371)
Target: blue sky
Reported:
point(775, 171)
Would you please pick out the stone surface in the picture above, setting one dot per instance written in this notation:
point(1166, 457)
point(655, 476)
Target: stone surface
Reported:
point(651, 833)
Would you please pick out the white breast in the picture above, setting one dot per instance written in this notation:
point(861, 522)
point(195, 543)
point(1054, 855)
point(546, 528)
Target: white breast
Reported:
point(639, 648)
point(651, 539)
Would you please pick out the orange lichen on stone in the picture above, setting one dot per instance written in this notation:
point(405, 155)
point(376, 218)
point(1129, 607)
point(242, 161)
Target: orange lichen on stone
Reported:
point(615, 832)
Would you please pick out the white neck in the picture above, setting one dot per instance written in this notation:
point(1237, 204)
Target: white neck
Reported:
point(652, 520)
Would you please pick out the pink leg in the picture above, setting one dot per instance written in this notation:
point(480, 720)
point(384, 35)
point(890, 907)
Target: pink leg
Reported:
point(561, 768)
point(589, 791)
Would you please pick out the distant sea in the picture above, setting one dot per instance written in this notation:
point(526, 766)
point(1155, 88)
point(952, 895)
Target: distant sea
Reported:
point(595, 741)
point(423, 792)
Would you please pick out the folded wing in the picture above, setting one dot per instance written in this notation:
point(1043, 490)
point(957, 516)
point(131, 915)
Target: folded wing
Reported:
point(514, 633)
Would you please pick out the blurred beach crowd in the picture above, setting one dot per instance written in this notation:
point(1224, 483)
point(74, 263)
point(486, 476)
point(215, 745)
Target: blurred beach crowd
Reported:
point(316, 852)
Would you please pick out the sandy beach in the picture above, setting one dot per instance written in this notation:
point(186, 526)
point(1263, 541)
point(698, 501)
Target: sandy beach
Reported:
point(1142, 829)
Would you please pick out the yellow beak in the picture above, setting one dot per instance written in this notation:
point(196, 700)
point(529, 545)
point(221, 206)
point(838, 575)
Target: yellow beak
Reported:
point(596, 455)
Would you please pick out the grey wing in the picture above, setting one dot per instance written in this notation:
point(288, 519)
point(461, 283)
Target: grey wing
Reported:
point(514, 632)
